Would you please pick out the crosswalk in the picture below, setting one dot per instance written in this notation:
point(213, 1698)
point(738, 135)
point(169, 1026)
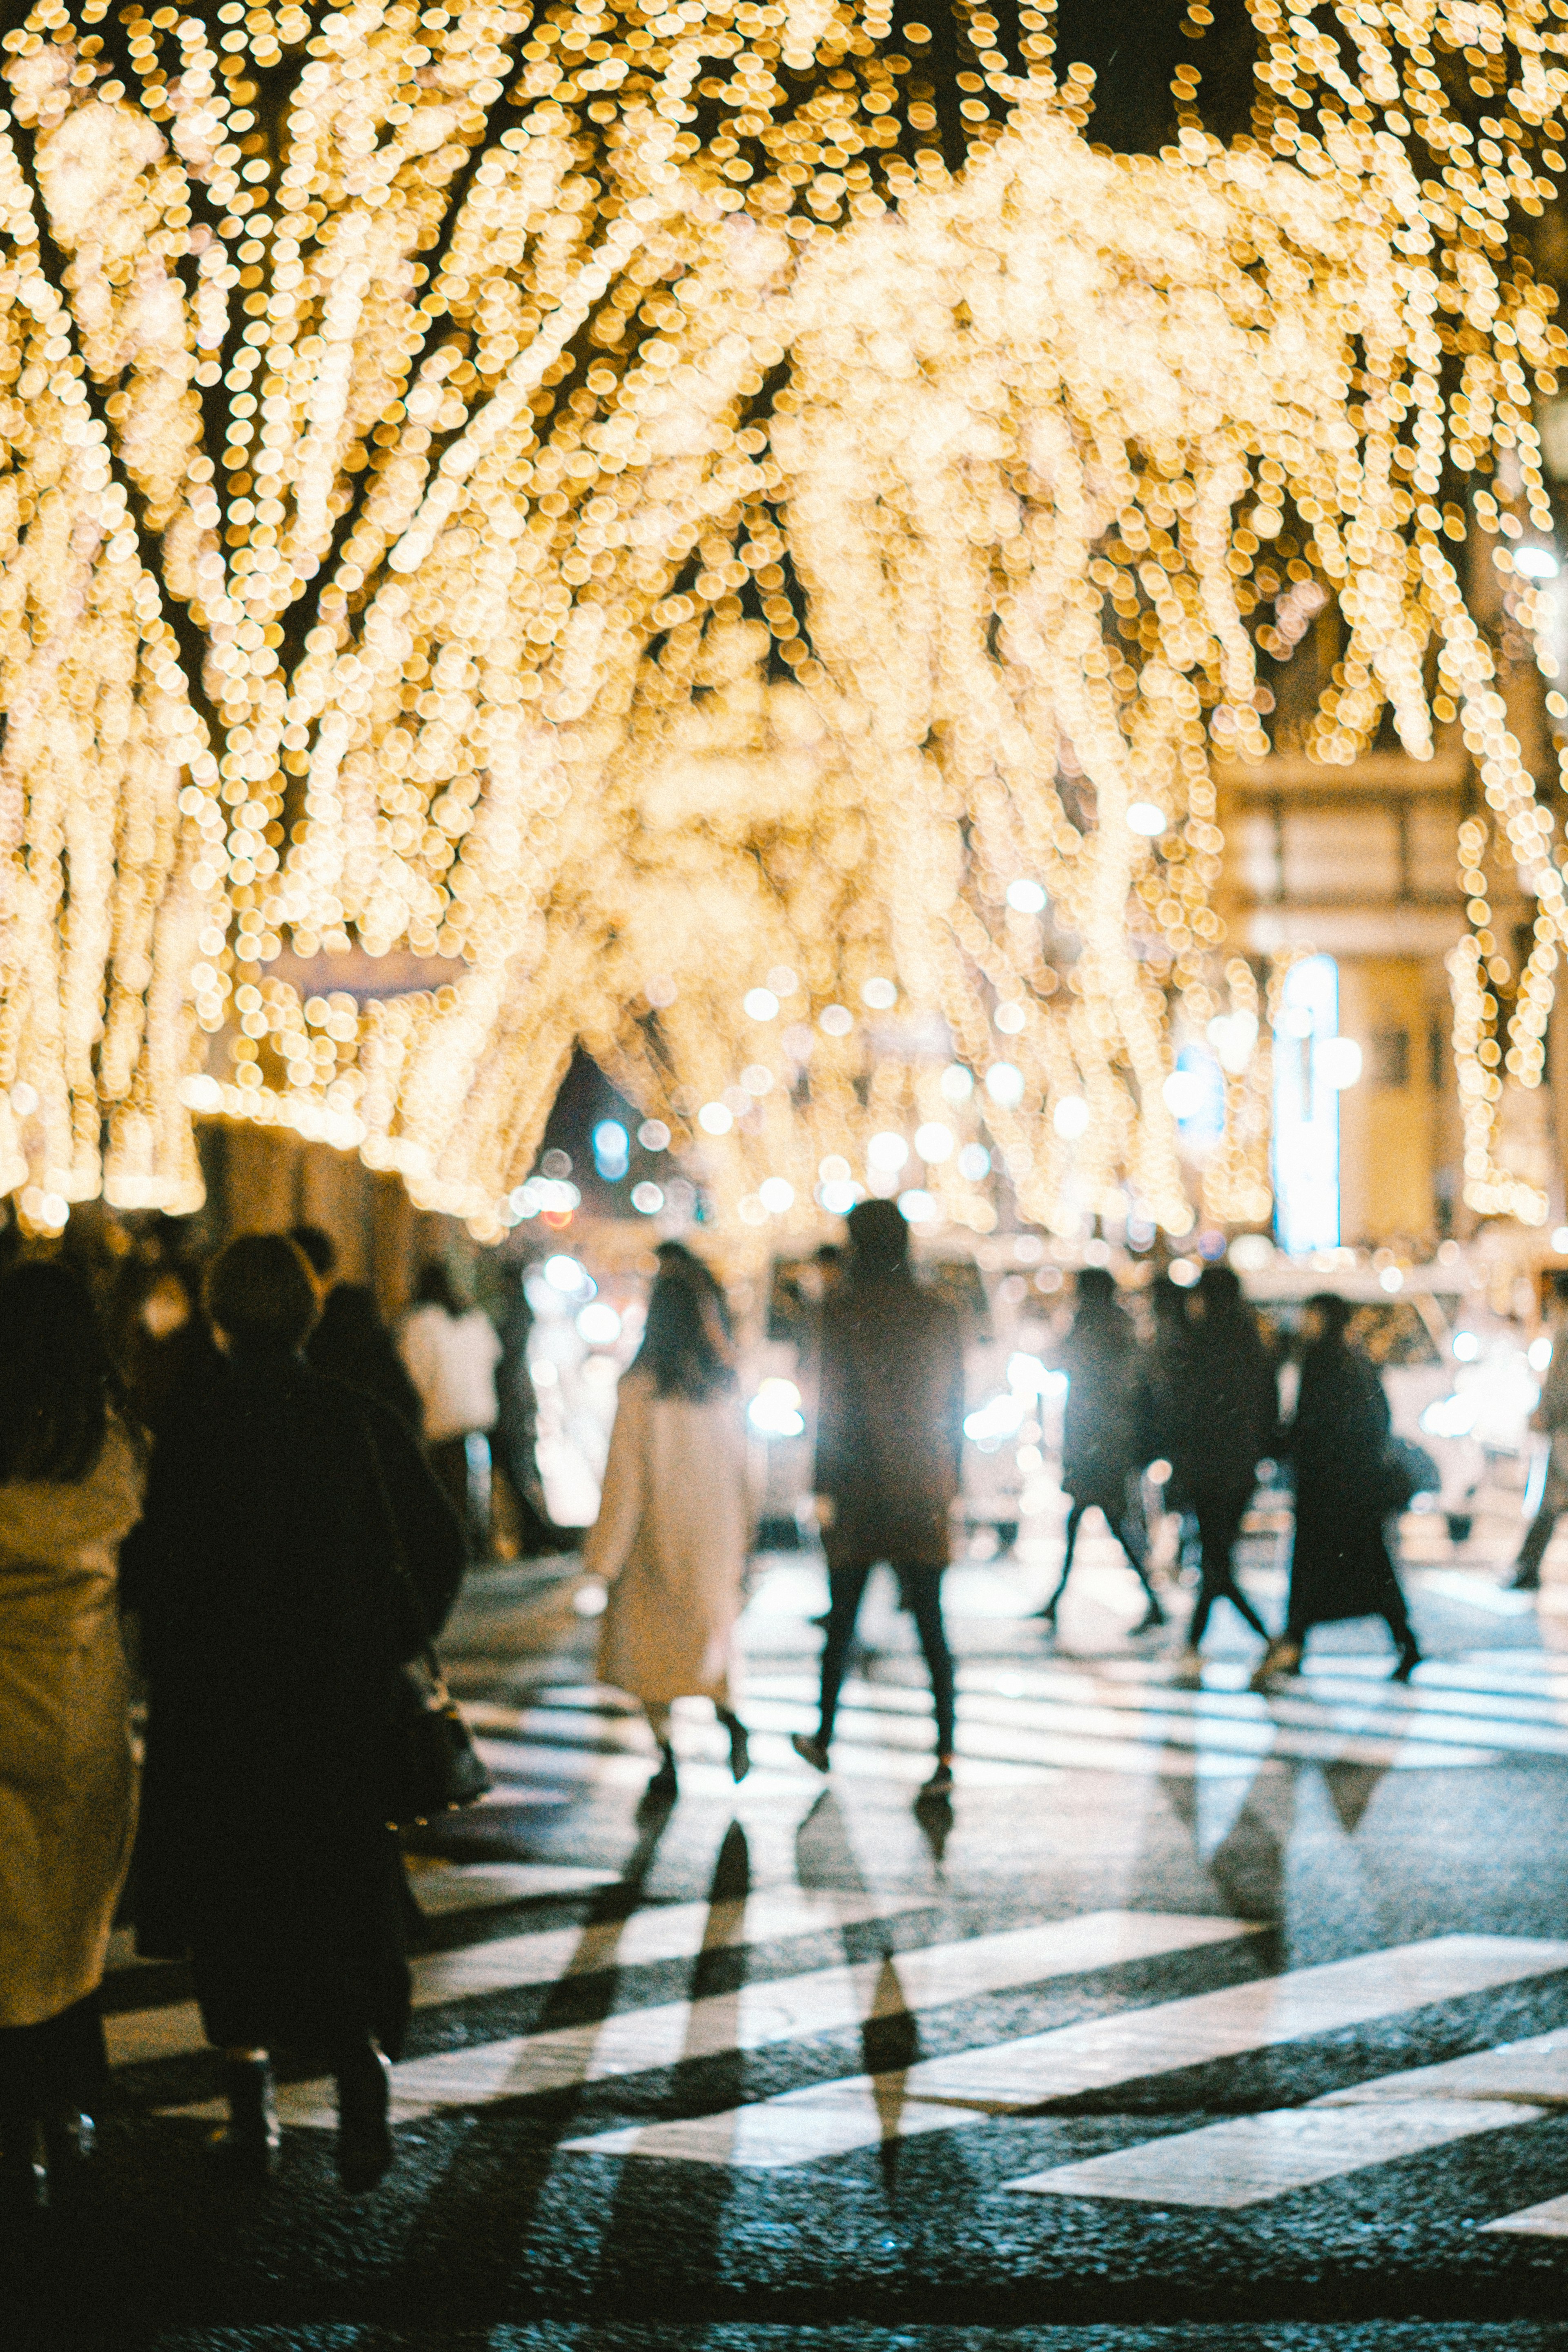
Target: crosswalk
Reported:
point(1023, 1723)
point(1108, 2058)
point(1127, 1972)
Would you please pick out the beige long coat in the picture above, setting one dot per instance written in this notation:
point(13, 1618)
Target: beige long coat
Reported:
point(671, 1541)
point(67, 1780)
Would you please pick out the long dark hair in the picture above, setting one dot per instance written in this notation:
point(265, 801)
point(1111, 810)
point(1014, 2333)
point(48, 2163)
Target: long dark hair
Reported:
point(683, 1341)
point(56, 1381)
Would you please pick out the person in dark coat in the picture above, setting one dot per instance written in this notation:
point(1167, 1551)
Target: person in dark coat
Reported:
point(294, 1548)
point(350, 1341)
point(1162, 1361)
point(889, 1437)
point(1102, 1431)
point(1340, 1565)
point(1226, 1420)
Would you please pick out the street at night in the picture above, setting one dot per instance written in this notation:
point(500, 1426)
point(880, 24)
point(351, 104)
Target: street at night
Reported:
point(1231, 2021)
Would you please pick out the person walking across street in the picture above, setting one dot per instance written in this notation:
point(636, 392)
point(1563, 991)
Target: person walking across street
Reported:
point(673, 1532)
point(1226, 1414)
point(451, 1350)
point(70, 1488)
point(1551, 1415)
point(890, 1434)
point(1340, 1565)
point(294, 1550)
point(1103, 1433)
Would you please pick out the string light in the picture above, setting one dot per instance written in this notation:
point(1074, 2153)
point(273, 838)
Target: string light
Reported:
point(627, 504)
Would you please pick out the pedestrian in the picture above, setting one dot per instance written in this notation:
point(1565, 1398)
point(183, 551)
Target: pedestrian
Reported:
point(293, 1551)
point(674, 1526)
point(350, 1342)
point(1551, 1416)
point(70, 1488)
point(1163, 1359)
point(1227, 1420)
point(1102, 1428)
point(451, 1350)
point(889, 1437)
point(1340, 1565)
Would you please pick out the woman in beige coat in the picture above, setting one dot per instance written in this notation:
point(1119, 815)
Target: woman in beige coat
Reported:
point(70, 1487)
point(674, 1523)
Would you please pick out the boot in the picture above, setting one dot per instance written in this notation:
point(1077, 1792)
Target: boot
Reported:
point(251, 2142)
point(23, 2183)
point(71, 2140)
point(364, 2137)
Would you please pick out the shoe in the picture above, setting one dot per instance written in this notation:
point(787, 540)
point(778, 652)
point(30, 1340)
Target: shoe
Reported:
point(810, 1751)
point(1527, 1581)
point(251, 2142)
point(365, 2137)
point(70, 2141)
point(23, 2183)
point(1278, 1658)
point(663, 1786)
point(739, 1751)
point(1409, 1659)
point(940, 1781)
point(1154, 1617)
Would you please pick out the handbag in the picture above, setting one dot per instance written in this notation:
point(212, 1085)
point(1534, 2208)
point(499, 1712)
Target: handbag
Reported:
point(428, 1765)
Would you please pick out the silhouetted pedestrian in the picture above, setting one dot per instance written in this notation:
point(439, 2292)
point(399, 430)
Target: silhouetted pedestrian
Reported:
point(294, 1549)
point(70, 1487)
point(451, 1350)
point(1226, 1420)
point(1551, 1417)
point(889, 1437)
point(1160, 1407)
point(1102, 1431)
point(1338, 1440)
point(514, 1445)
point(675, 1521)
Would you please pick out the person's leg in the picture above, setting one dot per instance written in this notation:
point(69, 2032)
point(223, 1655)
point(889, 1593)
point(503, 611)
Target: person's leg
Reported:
point(1219, 1526)
point(1075, 1521)
point(1125, 1523)
point(740, 1747)
point(921, 1589)
point(845, 1590)
point(1532, 1551)
point(658, 1715)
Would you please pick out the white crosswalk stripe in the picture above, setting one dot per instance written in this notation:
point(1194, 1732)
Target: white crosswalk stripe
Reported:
point(789, 2009)
point(1098, 2054)
point(671, 1932)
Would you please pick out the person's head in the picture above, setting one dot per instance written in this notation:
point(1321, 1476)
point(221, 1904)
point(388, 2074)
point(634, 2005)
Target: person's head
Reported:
point(261, 1295)
point(1094, 1289)
point(434, 1286)
point(684, 1344)
point(55, 1376)
point(677, 1260)
point(349, 1314)
point(1324, 1318)
point(1219, 1295)
point(1167, 1304)
point(879, 1239)
point(320, 1251)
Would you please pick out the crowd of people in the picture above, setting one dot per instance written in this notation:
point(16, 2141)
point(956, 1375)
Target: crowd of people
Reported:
point(278, 1499)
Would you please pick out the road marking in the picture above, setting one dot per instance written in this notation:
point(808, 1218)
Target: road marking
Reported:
point(1099, 2053)
point(675, 1931)
point(1548, 2221)
point(444, 1889)
point(1247, 2158)
point(789, 2009)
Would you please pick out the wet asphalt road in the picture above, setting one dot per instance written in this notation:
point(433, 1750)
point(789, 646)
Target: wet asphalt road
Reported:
point(751, 1944)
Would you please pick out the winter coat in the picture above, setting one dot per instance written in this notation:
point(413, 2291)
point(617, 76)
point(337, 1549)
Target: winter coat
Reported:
point(889, 1423)
point(68, 1783)
point(1339, 1565)
point(1104, 1414)
point(352, 1344)
point(452, 1360)
point(671, 1541)
point(273, 1613)
point(1226, 1406)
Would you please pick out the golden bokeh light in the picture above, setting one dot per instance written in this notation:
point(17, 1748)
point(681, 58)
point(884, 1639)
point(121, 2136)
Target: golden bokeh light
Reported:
point(607, 509)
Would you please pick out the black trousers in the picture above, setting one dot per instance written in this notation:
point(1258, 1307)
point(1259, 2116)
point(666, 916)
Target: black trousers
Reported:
point(1220, 1511)
point(922, 1591)
point(1121, 1515)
